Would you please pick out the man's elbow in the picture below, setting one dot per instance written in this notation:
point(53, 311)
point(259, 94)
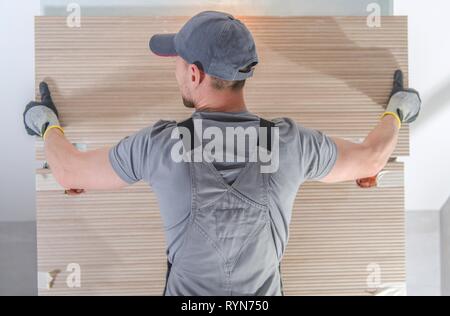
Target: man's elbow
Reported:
point(371, 162)
point(66, 174)
point(377, 163)
point(373, 169)
point(64, 179)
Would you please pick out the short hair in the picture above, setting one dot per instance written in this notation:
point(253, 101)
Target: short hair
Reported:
point(220, 84)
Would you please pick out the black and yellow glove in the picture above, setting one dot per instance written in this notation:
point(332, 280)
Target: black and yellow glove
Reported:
point(40, 117)
point(404, 104)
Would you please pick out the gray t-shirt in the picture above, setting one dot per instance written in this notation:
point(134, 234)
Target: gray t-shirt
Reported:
point(304, 154)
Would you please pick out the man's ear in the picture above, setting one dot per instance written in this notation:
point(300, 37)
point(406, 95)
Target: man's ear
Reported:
point(196, 75)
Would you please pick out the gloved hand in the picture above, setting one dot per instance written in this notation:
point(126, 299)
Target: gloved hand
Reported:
point(404, 104)
point(40, 117)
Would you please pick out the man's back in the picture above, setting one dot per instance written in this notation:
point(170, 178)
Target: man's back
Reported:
point(303, 154)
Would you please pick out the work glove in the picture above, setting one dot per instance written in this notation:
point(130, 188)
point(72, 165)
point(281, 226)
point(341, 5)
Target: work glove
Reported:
point(404, 104)
point(40, 117)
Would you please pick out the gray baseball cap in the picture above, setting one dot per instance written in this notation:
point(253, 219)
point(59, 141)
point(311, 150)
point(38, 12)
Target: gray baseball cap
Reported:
point(222, 45)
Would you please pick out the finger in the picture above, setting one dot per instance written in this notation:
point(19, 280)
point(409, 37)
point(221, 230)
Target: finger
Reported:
point(398, 82)
point(367, 182)
point(46, 97)
point(364, 183)
point(74, 191)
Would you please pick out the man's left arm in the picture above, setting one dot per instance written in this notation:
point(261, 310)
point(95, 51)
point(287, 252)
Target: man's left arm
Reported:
point(72, 168)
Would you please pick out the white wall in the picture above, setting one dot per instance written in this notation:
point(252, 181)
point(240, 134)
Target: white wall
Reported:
point(17, 192)
point(17, 198)
point(428, 167)
point(427, 175)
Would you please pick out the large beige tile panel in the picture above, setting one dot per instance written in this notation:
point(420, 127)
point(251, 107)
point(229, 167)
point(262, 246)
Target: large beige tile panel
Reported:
point(333, 74)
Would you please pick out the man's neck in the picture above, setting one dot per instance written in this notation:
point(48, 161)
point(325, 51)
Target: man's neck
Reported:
point(223, 102)
point(225, 108)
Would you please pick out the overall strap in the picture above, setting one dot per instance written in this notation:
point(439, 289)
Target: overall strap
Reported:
point(268, 125)
point(169, 268)
point(189, 124)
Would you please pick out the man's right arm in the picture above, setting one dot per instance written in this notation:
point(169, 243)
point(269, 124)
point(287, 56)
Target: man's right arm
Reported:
point(356, 161)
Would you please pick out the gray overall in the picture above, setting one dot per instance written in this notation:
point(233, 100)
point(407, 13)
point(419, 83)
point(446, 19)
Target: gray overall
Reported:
point(228, 247)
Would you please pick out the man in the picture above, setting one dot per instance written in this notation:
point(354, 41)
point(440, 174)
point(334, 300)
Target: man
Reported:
point(226, 222)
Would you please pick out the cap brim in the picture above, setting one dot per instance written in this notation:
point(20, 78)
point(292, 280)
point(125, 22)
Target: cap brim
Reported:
point(163, 45)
